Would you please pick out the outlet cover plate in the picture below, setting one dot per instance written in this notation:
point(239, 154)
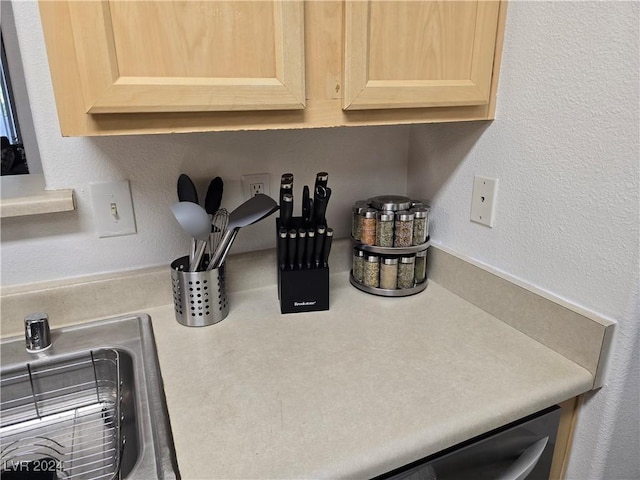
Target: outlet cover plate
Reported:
point(255, 183)
point(483, 200)
point(113, 208)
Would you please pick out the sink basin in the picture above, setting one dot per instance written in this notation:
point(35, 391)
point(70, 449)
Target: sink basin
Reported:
point(91, 406)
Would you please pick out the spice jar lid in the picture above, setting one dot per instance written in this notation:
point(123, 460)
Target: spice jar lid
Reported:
point(358, 253)
point(405, 215)
point(372, 258)
point(410, 259)
point(390, 202)
point(417, 203)
point(421, 253)
point(390, 260)
point(359, 206)
point(369, 213)
point(385, 216)
point(421, 212)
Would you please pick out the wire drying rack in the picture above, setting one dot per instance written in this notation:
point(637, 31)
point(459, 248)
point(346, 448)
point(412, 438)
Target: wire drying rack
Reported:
point(63, 417)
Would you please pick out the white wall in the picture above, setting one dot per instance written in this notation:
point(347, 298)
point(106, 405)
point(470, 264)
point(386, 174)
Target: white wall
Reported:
point(565, 150)
point(360, 161)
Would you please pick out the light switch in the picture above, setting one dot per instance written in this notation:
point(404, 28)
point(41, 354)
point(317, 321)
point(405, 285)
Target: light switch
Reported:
point(113, 209)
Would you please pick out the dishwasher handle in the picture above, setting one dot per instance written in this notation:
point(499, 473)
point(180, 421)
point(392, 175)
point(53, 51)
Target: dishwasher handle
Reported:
point(525, 462)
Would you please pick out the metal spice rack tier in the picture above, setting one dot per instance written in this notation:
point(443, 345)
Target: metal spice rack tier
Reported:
point(63, 417)
point(389, 251)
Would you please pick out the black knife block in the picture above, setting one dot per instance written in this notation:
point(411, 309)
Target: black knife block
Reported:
point(302, 290)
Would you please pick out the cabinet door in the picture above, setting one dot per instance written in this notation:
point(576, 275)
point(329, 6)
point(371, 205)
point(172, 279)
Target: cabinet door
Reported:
point(189, 56)
point(424, 53)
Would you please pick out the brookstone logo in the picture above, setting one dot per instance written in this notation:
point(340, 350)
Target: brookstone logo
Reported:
point(303, 304)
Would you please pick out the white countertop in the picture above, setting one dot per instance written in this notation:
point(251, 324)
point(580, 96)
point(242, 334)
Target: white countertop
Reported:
point(353, 392)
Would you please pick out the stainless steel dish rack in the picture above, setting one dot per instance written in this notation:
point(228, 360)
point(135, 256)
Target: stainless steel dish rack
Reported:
point(63, 417)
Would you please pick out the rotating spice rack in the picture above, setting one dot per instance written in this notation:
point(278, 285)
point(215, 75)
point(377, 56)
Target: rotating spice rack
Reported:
point(389, 251)
point(395, 231)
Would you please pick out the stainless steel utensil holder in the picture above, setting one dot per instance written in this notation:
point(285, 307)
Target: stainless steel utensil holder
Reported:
point(199, 298)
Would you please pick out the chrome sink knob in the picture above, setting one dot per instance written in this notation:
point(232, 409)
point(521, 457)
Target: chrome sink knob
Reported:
point(36, 332)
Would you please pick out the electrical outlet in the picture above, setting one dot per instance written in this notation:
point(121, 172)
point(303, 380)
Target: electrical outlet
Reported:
point(113, 208)
point(254, 184)
point(483, 200)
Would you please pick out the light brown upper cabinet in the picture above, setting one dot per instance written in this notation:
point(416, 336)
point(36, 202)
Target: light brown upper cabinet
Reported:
point(418, 54)
point(158, 66)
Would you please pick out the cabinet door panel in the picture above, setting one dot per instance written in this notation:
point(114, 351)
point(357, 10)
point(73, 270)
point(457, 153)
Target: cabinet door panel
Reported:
point(189, 56)
point(418, 54)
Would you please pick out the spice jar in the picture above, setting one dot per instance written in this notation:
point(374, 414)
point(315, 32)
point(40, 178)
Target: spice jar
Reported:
point(406, 272)
point(389, 273)
point(384, 229)
point(356, 223)
point(420, 225)
point(404, 229)
point(358, 265)
point(421, 266)
point(371, 271)
point(368, 229)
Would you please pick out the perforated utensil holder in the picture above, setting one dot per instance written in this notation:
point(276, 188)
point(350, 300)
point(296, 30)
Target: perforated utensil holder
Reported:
point(199, 298)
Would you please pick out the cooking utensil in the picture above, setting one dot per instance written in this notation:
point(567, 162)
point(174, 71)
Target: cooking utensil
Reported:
point(251, 211)
point(187, 193)
point(194, 220)
point(186, 189)
point(218, 227)
point(213, 198)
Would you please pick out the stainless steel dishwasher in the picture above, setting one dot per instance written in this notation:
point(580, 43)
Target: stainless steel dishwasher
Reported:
point(518, 451)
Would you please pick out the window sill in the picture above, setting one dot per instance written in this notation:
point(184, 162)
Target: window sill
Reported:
point(25, 195)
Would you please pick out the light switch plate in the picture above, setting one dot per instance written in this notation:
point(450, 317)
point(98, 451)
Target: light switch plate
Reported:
point(113, 208)
point(483, 200)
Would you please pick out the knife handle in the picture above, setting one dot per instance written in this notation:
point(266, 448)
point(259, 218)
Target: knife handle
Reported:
point(291, 248)
point(322, 178)
point(319, 206)
point(308, 252)
point(286, 185)
point(326, 247)
point(286, 210)
point(302, 240)
point(317, 246)
point(282, 248)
